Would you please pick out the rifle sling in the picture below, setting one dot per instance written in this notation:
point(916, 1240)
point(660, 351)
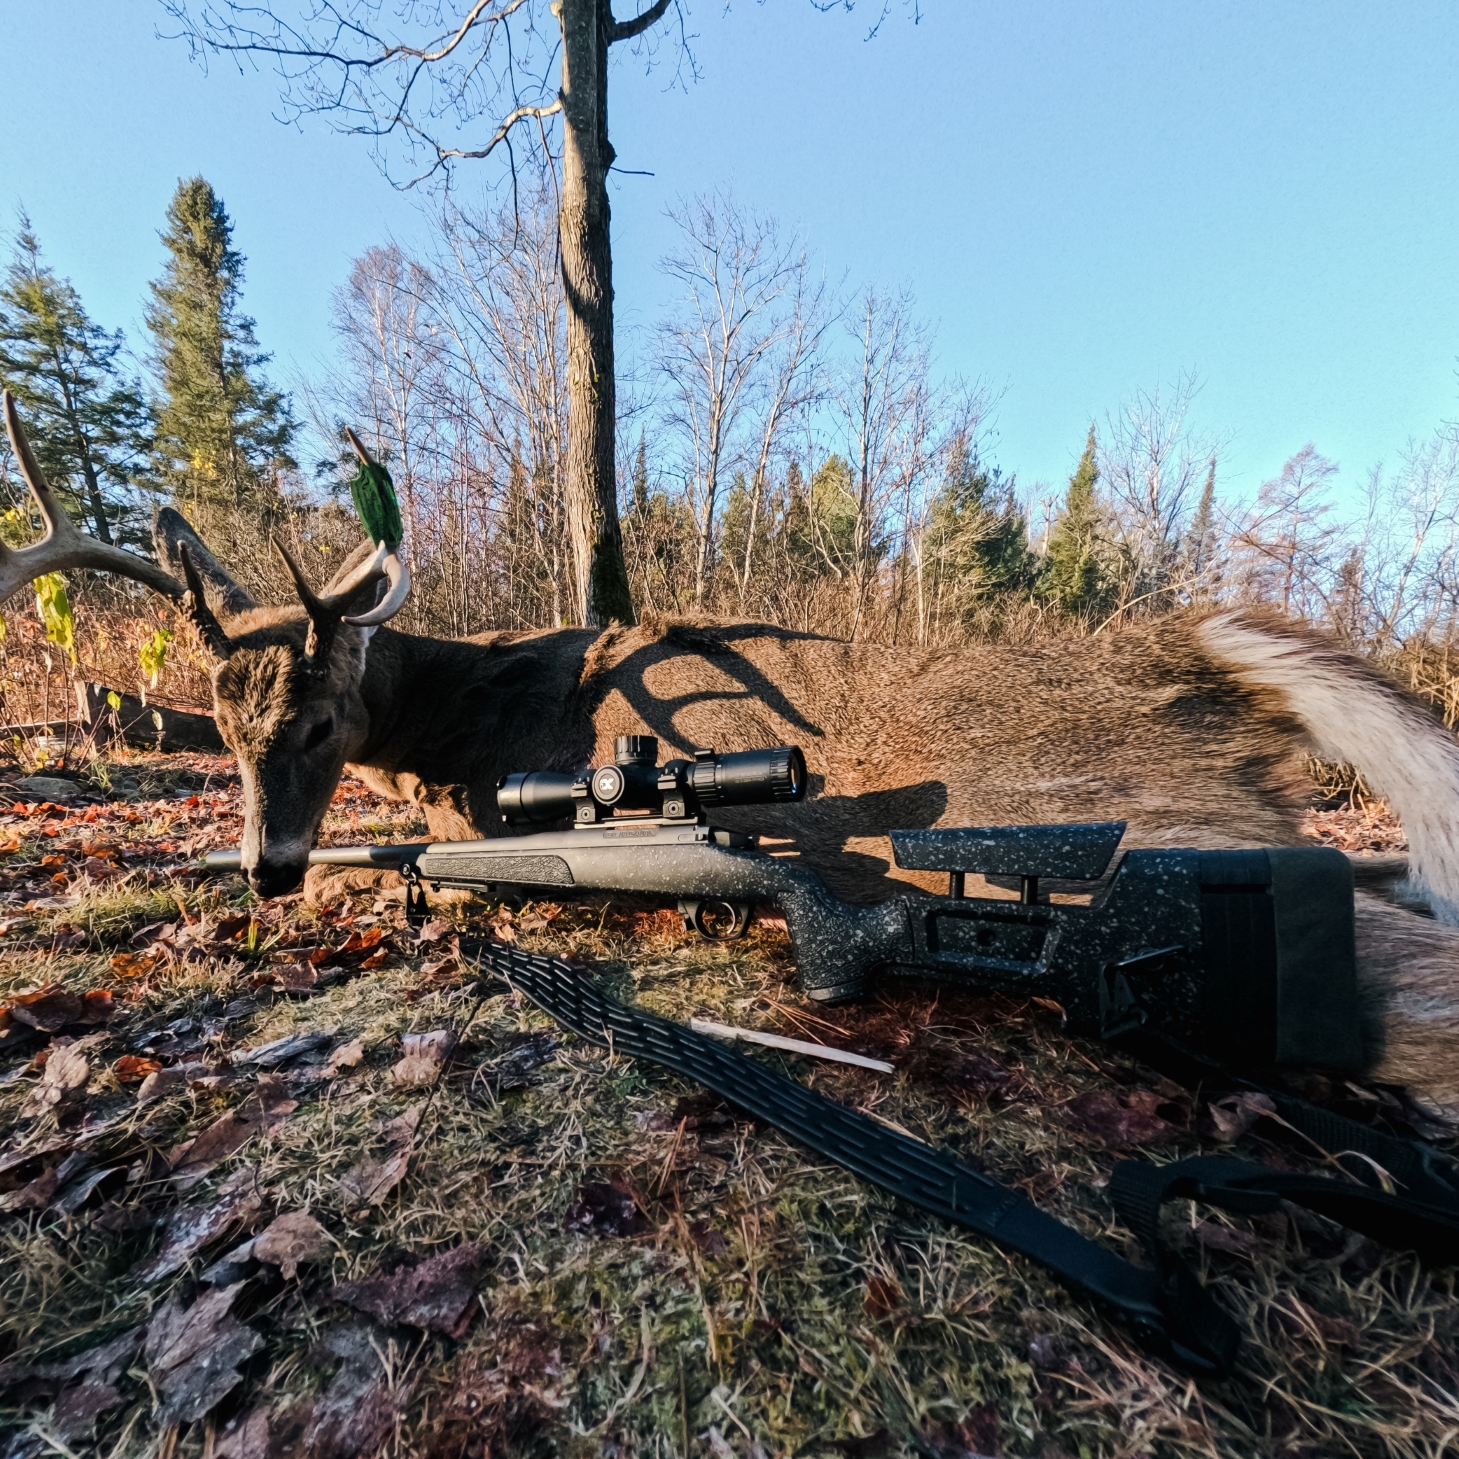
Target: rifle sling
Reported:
point(1420, 1211)
point(1169, 1311)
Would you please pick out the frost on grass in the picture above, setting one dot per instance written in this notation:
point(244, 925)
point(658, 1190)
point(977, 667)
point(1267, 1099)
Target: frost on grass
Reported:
point(276, 1181)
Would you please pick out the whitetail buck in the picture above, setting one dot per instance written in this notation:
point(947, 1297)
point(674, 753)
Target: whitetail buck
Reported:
point(1190, 728)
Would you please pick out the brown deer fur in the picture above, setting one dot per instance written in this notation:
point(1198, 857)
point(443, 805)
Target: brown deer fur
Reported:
point(1190, 729)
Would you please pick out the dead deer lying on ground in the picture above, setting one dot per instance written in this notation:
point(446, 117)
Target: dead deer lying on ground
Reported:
point(1191, 729)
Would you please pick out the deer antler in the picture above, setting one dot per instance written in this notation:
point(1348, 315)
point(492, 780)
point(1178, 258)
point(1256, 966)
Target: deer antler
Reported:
point(195, 606)
point(63, 546)
point(386, 561)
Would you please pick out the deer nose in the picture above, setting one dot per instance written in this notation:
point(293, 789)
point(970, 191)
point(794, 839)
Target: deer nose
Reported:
point(274, 878)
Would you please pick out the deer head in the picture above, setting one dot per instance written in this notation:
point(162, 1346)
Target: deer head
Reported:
point(286, 680)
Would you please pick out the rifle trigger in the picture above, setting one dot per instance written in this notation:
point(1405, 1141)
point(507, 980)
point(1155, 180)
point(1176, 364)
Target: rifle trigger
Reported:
point(416, 906)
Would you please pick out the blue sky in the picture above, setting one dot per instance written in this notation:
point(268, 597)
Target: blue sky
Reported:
point(1085, 199)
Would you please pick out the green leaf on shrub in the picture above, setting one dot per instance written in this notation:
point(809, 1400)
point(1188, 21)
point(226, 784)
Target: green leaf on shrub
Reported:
point(153, 655)
point(54, 607)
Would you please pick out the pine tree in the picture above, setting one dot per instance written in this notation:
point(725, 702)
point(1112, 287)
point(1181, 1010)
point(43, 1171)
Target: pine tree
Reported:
point(981, 531)
point(1200, 540)
point(222, 432)
point(87, 421)
point(1072, 577)
point(639, 504)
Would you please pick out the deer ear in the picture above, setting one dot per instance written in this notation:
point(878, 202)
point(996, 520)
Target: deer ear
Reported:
point(169, 530)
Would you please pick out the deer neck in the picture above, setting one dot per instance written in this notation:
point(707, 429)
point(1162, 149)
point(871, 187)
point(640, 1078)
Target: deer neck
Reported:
point(452, 713)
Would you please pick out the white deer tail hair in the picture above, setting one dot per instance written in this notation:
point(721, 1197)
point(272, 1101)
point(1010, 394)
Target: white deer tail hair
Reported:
point(1354, 715)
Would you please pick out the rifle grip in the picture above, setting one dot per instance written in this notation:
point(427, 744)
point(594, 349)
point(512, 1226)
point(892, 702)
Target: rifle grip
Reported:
point(837, 945)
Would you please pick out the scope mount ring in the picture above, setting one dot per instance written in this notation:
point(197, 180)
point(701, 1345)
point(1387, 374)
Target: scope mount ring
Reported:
point(716, 919)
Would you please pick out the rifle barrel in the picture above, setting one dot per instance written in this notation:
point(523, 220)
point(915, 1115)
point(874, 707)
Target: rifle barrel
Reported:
point(384, 856)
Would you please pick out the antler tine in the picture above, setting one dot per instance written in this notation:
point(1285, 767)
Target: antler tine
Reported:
point(385, 562)
point(393, 601)
point(324, 613)
point(360, 450)
point(63, 547)
point(195, 606)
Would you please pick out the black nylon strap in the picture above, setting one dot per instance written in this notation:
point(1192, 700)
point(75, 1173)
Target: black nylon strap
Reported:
point(1426, 1181)
point(1176, 1317)
point(1139, 1188)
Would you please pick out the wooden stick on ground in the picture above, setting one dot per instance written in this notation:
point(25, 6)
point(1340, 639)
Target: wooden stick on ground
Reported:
point(793, 1046)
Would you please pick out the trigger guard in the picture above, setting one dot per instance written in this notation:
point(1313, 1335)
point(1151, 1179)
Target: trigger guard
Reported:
point(692, 910)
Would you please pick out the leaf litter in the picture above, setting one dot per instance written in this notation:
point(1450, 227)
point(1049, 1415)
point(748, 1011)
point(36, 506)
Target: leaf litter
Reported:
point(642, 1254)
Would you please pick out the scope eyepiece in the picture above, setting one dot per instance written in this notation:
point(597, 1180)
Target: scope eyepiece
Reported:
point(751, 777)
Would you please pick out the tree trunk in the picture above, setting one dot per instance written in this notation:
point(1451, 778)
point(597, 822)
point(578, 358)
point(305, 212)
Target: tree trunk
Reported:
point(587, 274)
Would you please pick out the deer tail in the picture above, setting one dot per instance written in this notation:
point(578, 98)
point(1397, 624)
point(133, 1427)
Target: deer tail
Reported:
point(1354, 715)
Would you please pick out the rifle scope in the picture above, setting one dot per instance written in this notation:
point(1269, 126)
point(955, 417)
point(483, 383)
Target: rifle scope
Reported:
point(635, 782)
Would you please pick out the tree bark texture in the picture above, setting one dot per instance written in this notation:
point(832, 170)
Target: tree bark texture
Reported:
point(587, 274)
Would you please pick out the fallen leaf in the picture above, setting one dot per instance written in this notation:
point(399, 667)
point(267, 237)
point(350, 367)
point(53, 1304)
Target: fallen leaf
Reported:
point(193, 1354)
point(136, 964)
point(704, 1112)
point(64, 1078)
point(369, 1181)
point(708, 1238)
point(133, 1068)
point(510, 1071)
point(245, 1436)
point(346, 1056)
point(1231, 1117)
point(77, 1405)
point(34, 1195)
point(432, 930)
point(281, 1051)
point(883, 1297)
point(438, 1295)
point(264, 1110)
point(425, 1053)
point(1216, 1237)
point(233, 926)
point(401, 1129)
point(53, 1008)
point(1120, 1118)
point(290, 1239)
point(165, 1081)
point(605, 1208)
point(190, 1228)
point(356, 1412)
point(978, 1436)
point(294, 977)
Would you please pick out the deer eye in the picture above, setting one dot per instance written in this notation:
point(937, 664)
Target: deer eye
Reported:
point(319, 733)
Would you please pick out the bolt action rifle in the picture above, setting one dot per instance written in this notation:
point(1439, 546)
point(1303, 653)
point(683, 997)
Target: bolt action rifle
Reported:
point(1244, 956)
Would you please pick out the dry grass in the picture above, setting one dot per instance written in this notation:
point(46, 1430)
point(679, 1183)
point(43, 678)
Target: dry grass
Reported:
point(759, 1302)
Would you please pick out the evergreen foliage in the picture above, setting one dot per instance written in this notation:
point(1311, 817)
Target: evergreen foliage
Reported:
point(222, 432)
point(1073, 578)
point(975, 532)
point(1200, 538)
point(88, 422)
